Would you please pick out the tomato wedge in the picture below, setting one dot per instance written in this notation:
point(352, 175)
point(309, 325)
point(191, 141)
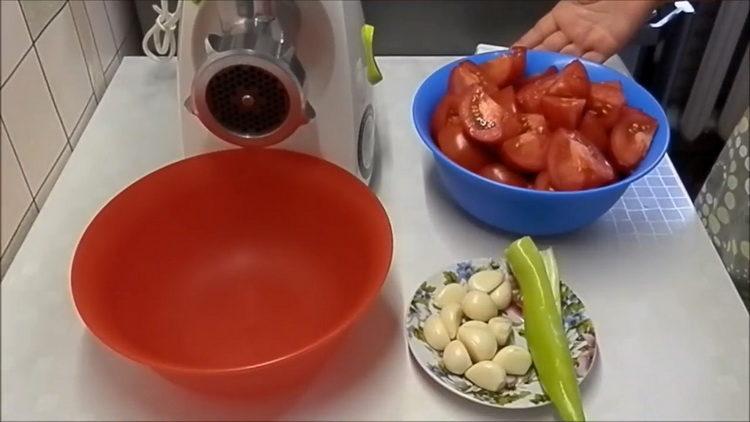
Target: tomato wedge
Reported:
point(526, 152)
point(452, 141)
point(573, 81)
point(506, 69)
point(502, 174)
point(606, 100)
point(484, 119)
point(446, 108)
point(464, 76)
point(562, 112)
point(631, 138)
point(551, 71)
point(592, 130)
point(573, 164)
point(534, 123)
point(529, 96)
point(542, 182)
point(506, 97)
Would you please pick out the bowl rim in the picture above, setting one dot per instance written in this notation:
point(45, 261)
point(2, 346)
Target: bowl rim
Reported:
point(322, 341)
point(623, 183)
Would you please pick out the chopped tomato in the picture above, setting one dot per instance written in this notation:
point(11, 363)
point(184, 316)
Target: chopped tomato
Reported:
point(592, 130)
point(452, 141)
point(631, 138)
point(506, 97)
point(502, 174)
point(551, 71)
point(506, 69)
point(573, 81)
point(463, 76)
point(562, 112)
point(606, 100)
point(573, 164)
point(529, 96)
point(447, 107)
point(484, 119)
point(526, 152)
point(542, 182)
point(519, 62)
point(534, 123)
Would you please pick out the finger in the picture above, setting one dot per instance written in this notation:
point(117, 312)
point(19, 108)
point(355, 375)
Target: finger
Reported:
point(544, 28)
point(594, 56)
point(554, 42)
point(572, 50)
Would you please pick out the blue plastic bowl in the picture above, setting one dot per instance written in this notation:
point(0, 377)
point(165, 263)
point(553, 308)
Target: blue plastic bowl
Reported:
point(527, 211)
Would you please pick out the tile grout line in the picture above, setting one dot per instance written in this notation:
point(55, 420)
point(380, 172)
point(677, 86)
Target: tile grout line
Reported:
point(41, 66)
point(34, 40)
point(111, 32)
point(54, 103)
point(93, 37)
point(12, 72)
point(80, 118)
point(119, 49)
point(18, 227)
point(57, 160)
point(18, 160)
point(85, 60)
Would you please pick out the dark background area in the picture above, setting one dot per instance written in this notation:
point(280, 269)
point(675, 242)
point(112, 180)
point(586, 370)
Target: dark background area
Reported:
point(449, 27)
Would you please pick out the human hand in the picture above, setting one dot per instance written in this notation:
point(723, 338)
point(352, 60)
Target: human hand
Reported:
point(594, 30)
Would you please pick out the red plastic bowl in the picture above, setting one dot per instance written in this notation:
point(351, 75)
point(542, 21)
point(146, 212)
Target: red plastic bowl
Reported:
point(233, 270)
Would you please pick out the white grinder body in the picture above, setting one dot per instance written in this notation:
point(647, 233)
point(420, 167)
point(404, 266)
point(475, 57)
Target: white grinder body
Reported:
point(277, 74)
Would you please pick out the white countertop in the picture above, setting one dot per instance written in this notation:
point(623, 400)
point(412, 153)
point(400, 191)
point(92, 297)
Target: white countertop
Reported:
point(672, 330)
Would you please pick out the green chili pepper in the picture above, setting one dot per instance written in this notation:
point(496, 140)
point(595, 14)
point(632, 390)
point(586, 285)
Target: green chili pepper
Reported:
point(545, 334)
point(550, 264)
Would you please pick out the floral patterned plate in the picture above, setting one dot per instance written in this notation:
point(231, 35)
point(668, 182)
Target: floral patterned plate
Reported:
point(519, 392)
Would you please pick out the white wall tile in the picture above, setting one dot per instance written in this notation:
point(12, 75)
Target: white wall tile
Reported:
point(39, 12)
point(14, 37)
point(31, 121)
point(15, 197)
point(121, 15)
point(110, 72)
point(83, 122)
point(105, 43)
point(65, 68)
point(15, 242)
point(94, 65)
point(51, 89)
point(54, 173)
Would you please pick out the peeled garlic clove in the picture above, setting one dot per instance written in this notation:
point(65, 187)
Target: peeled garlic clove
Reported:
point(514, 359)
point(478, 305)
point(473, 324)
point(456, 358)
point(501, 328)
point(451, 315)
point(487, 375)
point(502, 295)
point(486, 281)
point(435, 333)
point(452, 293)
point(479, 342)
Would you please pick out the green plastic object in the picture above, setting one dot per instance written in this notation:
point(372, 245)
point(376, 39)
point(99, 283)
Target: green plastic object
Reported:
point(373, 72)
